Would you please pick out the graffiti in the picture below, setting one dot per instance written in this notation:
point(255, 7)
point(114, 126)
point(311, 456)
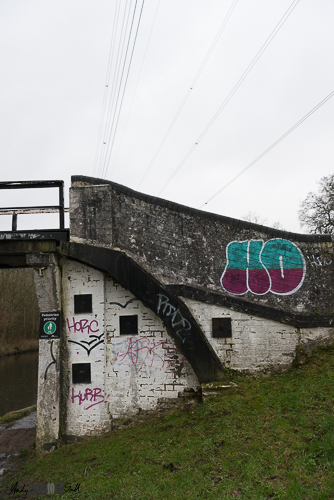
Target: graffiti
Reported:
point(54, 362)
point(319, 261)
point(89, 327)
point(83, 326)
point(146, 353)
point(94, 396)
point(276, 266)
point(121, 305)
point(177, 320)
point(90, 344)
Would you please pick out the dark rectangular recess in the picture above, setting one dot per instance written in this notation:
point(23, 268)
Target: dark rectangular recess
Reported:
point(221, 328)
point(83, 303)
point(81, 373)
point(128, 325)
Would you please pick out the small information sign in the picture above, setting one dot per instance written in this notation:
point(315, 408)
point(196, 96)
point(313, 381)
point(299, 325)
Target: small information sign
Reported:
point(49, 325)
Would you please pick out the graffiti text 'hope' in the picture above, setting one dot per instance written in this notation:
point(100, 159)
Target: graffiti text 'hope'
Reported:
point(277, 266)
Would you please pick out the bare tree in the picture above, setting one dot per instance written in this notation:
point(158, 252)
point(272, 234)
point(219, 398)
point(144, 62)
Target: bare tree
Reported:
point(18, 304)
point(316, 212)
point(258, 219)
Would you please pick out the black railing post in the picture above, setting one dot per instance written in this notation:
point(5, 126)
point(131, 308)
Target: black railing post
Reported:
point(14, 222)
point(61, 206)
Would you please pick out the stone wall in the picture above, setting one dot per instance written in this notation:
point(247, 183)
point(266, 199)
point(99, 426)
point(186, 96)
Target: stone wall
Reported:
point(183, 246)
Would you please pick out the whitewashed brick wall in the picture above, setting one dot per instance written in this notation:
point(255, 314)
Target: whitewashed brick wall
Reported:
point(257, 344)
point(129, 373)
point(87, 412)
point(143, 368)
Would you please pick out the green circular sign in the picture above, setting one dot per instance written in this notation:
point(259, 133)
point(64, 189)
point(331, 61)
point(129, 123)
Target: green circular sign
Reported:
point(50, 327)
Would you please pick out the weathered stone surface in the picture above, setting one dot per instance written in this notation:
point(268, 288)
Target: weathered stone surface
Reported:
point(90, 215)
point(184, 246)
point(47, 283)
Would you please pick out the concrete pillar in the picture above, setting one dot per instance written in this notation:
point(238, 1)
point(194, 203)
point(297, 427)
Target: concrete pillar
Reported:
point(47, 282)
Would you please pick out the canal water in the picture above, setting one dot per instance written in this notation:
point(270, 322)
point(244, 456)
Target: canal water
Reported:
point(18, 381)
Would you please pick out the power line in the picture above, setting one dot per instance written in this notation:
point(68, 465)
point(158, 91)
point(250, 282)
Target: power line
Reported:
point(233, 91)
point(105, 166)
point(138, 78)
point(106, 87)
point(205, 60)
point(124, 88)
point(271, 147)
point(117, 83)
point(115, 67)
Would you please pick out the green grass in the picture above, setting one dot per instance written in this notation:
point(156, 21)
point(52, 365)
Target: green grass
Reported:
point(10, 417)
point(268, 438)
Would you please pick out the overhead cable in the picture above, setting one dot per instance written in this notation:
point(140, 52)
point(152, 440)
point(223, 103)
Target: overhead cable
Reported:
point(117, 48)
point(205, 60)
point(270, 147)
point(124, 88)
point(106, 86)
point(234, 90)
point(117, 81)
point(138, 78)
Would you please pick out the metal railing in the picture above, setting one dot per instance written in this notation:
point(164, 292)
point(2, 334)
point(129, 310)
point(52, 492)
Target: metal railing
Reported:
point(15, 211)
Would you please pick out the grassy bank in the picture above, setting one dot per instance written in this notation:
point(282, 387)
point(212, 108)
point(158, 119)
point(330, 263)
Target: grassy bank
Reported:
point(268, 438)
point(16, 347)
point(11, 416)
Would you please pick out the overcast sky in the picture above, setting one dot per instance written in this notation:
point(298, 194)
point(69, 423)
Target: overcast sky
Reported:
point(54, 59)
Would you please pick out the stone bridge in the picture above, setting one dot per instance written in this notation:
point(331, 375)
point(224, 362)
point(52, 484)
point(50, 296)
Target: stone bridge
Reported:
point(142, 300)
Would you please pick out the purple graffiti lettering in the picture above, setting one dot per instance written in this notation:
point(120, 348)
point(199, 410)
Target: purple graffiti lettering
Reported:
point(89, 395)
point(145, 353)
point(134, 349)
point(82, 326)
point(90, 326)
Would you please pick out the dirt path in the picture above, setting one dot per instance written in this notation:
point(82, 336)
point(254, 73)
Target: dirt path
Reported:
point(20, 436)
